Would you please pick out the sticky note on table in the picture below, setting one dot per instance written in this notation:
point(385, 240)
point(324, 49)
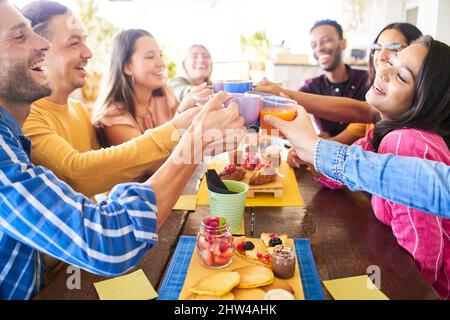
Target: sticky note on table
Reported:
point(134, 286)
point(355, 288)
point(186, 203)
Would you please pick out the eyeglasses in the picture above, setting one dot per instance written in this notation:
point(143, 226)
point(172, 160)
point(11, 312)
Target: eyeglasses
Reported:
point(392, 47)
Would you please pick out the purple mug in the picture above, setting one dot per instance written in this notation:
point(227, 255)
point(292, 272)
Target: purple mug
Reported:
point(249, 105)
point(217, 86)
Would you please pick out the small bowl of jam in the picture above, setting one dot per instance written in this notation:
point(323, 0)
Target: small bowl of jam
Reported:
point(283, 262)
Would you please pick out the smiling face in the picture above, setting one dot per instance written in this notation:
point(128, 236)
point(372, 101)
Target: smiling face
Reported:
point(23, 77)
point(393, 91)
point(198, 65)
point(327, 47)
point(146, 65)
point(69, 54)
point(388, 38)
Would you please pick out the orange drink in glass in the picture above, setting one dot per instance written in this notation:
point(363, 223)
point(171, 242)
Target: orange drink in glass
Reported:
point(282, 108)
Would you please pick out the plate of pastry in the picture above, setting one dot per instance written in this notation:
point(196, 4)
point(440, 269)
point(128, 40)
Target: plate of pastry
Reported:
point(259, 169)
point(256, 273)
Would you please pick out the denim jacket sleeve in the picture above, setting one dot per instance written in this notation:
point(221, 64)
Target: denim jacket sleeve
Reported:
point(414, 182)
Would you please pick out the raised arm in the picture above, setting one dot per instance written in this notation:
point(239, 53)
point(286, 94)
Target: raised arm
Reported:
point(212, 122)
point(44, 213)
point(428, 181)
point(337, 109)
point(109, 238)
point(429, 189)
point(109, 166)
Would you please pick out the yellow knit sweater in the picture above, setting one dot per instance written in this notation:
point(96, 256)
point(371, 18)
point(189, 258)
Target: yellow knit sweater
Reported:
point(64, 140)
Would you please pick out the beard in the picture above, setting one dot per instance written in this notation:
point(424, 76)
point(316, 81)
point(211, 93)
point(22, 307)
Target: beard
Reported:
point(336, 61)
point(17, 86)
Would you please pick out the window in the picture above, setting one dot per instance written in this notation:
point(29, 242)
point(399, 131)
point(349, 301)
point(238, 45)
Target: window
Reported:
point(411, 15)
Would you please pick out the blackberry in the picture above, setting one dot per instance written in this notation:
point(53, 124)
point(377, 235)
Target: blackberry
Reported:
point(275, 242)
point(248, 246)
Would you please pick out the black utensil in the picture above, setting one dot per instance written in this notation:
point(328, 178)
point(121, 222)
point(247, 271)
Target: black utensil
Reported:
point(215, 184)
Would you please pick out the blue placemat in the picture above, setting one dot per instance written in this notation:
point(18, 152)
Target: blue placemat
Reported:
point(312, 286)
point(176, 274)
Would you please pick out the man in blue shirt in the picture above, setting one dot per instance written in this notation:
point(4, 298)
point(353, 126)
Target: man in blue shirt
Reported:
point(428, 181)
point(39, 213)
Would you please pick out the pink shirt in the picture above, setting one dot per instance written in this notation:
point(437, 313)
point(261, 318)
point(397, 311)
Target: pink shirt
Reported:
point(425, 237)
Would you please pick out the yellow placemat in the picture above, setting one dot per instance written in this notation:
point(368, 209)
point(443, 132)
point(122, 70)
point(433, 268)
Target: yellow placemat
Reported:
point(354, 288)
point(196, 272)
point(186, 203)
point(134, 286)
point(291, 192)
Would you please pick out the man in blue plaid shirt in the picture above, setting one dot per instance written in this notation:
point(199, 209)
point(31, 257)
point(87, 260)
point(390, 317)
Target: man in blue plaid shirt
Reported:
point(39, 213)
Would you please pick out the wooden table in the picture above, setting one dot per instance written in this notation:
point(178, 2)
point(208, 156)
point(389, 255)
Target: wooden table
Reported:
point(346, 240)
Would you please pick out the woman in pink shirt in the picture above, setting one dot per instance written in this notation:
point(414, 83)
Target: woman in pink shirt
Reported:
point(412, 94)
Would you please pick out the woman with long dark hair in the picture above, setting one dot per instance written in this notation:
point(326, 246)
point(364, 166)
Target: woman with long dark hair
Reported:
point(392, 39)
point(412, 95)
point(135, 96)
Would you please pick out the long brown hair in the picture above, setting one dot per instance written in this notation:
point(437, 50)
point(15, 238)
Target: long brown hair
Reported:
point(118, 87)
point(430, 108)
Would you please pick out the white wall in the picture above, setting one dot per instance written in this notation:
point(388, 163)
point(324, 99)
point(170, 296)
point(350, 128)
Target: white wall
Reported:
point(377, 14)
point(219, 23)
point(433, 15)
point(393, 10)
point(434, 18)
point(443, 22)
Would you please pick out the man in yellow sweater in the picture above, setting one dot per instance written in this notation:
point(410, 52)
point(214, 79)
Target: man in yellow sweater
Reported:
point(60, 129)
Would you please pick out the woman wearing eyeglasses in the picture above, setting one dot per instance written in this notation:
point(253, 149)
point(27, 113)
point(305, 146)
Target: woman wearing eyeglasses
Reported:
point(411, 92)
point(392, 39)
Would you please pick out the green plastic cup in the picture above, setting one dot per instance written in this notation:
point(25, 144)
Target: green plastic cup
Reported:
point(230, 206)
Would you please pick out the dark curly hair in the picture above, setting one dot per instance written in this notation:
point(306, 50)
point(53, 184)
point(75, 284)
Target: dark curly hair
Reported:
point(430, 108)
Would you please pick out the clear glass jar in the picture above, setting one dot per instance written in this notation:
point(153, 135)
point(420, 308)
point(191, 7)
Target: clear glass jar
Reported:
point(283, 262)
point(215, 246)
